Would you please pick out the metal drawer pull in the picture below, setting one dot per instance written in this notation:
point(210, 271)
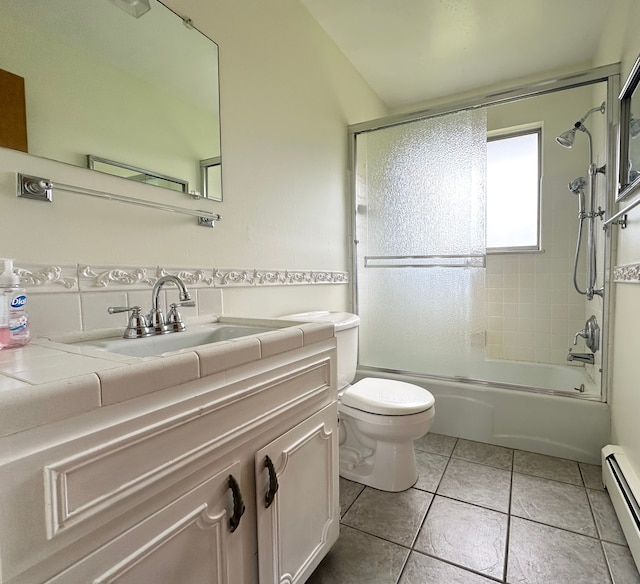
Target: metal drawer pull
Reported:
point(238, 504)
point(273, 483)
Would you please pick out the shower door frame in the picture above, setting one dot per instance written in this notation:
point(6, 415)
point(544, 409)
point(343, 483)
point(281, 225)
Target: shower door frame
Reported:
point(609, 74)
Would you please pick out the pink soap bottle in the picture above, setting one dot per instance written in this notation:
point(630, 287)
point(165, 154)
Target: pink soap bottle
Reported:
point(14, 321)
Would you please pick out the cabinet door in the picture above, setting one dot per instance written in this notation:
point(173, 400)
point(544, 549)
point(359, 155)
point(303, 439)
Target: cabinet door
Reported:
point(188, 542)
point(297, 499)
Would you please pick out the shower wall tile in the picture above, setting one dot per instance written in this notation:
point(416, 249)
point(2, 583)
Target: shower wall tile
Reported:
point(510, 280)
point(510, 324)
point(495, 309)
point(494, 337)
point(527, 295)
point(510, 309)
point(495, 265)
point(495, 295)
point(511, 295)
point(494, 280)
point(494, 352)
point(531, 297)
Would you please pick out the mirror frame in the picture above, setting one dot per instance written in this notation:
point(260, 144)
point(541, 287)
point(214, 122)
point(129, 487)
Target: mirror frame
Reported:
point(206, 165)
point(142, 174)
point(626, 94)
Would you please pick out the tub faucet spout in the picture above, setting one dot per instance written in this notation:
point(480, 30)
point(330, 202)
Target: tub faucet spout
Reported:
point(581, 357)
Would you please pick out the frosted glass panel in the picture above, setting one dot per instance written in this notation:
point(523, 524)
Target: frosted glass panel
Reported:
point(420, 191)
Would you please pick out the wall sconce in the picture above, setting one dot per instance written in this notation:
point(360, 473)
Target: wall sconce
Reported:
point(135, 8)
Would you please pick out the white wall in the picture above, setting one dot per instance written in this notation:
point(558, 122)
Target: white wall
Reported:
point(622, 43)
point(287, 96)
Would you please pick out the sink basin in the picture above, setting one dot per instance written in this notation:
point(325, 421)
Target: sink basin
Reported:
point(194, 336)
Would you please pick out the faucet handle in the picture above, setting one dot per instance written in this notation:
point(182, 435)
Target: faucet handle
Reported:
point(583, 333)
point(190, 303)
point(137, 327)
point(174, 318)
point(590, 333)
point(117, 309)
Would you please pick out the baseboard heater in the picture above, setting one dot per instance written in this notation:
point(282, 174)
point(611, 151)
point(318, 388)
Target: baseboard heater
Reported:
point(623, 487)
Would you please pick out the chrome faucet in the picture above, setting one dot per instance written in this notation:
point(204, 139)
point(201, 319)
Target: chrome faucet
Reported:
point(155, 323)
point(591, 336)
point(156, 318)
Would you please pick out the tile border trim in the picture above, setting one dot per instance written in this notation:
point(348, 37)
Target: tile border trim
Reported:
point(627, 274)
point(83, 277)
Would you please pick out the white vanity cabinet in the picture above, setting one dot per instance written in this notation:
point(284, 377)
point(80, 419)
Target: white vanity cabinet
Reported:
point(146, 490)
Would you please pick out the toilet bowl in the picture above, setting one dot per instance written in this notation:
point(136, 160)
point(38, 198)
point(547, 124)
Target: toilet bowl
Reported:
point(379, 418)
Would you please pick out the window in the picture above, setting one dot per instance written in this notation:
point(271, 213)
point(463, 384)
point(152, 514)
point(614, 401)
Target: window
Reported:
point(513, 191)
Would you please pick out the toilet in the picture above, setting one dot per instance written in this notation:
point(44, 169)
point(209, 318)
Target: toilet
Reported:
point(379, 418)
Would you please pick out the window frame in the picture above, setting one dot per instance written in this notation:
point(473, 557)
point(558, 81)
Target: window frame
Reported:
point(503, 134)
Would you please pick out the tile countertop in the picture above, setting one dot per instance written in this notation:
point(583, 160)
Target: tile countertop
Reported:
point(47, 381)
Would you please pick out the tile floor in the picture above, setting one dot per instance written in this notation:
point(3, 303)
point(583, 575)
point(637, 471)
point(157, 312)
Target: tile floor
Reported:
point(480, 514)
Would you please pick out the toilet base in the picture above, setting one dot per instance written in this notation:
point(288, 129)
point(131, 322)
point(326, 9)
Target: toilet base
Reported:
point(398, 474)
point(377, 450)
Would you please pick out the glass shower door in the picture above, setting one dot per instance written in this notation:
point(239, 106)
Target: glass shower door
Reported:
point(420, 228)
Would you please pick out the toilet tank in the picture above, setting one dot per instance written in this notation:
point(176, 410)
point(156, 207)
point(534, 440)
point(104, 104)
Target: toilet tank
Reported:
point(346, 327)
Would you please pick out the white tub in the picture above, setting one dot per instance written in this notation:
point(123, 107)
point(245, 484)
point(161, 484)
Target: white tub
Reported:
point(493, 412)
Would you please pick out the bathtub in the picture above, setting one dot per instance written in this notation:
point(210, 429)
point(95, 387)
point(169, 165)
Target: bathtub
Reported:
point(527, 415)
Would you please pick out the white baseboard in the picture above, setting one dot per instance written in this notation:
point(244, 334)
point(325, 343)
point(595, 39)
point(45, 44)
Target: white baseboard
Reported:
point(623, 486)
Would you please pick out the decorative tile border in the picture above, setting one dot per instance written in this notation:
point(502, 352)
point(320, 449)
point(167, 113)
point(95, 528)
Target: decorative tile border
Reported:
point(628, 274)
point(49, 278)
point(43, 278)
point(111, 277)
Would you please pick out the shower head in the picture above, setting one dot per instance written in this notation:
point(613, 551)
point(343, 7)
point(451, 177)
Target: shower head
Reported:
point(566, 138)
point(577, 185)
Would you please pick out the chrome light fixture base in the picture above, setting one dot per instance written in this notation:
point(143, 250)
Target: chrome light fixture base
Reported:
point(135, 8)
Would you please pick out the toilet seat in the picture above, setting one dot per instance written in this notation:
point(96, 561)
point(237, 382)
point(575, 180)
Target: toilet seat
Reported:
point(387, 397)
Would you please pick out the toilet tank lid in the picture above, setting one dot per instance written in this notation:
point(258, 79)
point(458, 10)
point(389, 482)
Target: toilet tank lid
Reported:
point(340, 320)
point(387, 396)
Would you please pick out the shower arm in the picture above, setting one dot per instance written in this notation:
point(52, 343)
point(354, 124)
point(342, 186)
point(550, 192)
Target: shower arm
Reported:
point(578, 125)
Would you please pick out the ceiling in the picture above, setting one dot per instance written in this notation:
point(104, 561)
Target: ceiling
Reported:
point(414, 51)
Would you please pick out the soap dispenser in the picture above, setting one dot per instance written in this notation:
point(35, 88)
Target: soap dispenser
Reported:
point(14, 321)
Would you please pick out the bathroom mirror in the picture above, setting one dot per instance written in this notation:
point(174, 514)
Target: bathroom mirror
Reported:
point(100, 76)
point(629, 181)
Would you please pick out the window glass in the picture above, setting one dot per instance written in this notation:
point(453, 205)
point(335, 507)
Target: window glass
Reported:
point(513, 191)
